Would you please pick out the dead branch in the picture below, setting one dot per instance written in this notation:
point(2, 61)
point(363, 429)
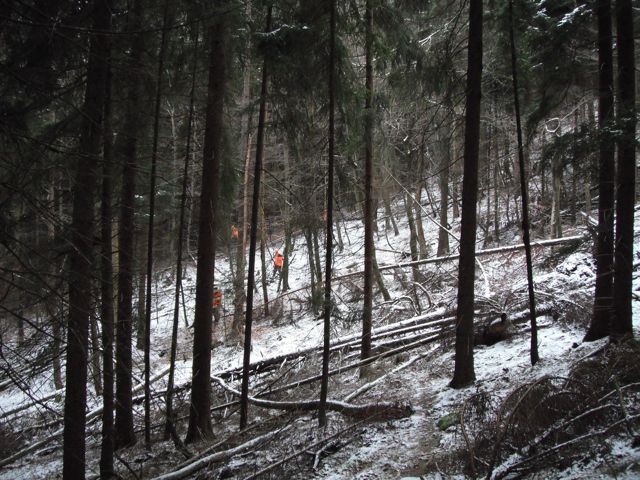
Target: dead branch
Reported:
point(303, 450)
point(560, 446)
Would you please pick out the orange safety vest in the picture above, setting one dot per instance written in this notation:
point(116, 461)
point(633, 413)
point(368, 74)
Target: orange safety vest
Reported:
point(234, 231)
point(217, 298)
point(278, 261)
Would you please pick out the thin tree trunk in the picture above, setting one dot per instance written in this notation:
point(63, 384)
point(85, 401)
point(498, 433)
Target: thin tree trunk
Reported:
point(106, 285)
point(263, 261)
point(443, 235)
point(556, 173)
point(603, 296)
point(150, 231)
point(324, 386)
point(142, 296)
point(199, 417)
point(81, 256)
point(525, 197)
point(422, 243)
point(124, 434)
point(316, 253)
point(169, 416)
point(365, 348)
point(625, 193)
point(96, 372)
point(464, 372)
point(257, 172)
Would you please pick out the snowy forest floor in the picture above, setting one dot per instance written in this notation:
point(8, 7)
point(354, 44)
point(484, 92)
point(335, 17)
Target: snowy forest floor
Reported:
point(573, 415)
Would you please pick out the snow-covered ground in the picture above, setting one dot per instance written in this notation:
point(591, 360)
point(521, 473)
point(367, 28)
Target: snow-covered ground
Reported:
point(391, 449)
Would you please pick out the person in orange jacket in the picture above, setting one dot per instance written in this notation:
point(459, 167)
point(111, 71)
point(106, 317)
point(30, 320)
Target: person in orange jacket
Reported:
point(278, 262)
point(234, 232)
point(216, 303)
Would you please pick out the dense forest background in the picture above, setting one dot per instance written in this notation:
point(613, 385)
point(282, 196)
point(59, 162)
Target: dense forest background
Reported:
point(149, 140)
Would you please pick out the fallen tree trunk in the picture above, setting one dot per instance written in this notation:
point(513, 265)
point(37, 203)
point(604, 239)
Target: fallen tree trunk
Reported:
point(378, 411)
point(489, 251)
point(219, 456)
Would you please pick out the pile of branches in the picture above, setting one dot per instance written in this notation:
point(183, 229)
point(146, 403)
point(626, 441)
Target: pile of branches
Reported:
point(555, 422)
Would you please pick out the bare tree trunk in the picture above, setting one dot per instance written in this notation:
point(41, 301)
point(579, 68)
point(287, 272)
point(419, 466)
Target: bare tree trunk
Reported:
point(443, 235)
point(169, 415)
point(422, 244)
point(96, 373)
point(199, 417)
point(106, 286)
point(312, 268)
point(263, 261)
point(621, 326)
point(603, 296)
point(316, 252)
point(142, 297)
point(464, 373)
point(525, 197)
point(257, 172)
point(324, 387)
point(150, 232)
point(389, 214)
point(369, 252)
point(81, 256)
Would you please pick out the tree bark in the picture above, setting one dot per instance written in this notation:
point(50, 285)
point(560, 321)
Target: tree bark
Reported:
point(603, 296)
point(443, 235)
point(365, 348)
point(621, 326)
point(524, 196)
point(81, 256)
point(464, 372)
point(199, 418)
point(169, 415)
point(106, 285)
point(257, 172)
point(324, 386)
point(150, 231)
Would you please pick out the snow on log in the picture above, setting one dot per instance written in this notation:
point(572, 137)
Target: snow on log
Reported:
point(219, 456)
point(374, 411)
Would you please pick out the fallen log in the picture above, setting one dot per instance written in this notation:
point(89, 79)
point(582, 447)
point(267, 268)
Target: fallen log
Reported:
point(220, 456)
point(377, 411)
point(489, 251)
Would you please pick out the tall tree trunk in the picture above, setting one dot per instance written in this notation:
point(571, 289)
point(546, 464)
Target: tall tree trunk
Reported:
point(106, 288)
point(124, 434)
point(625, 194)
point(81, 256)
point(96, 371)
point(257, 172)
point(365, 348)
point(464, 372)
point(422, 243)
point(556, 180)
point(443, 235)
point(263, 261)
point(150, 231)
point(199, 417)
point(239, 295)
point(525, 197)
point(312, 268)
point(316, 253)
point(142, 293)
point(324, 384)
point(169, 417)
point(603, 296)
